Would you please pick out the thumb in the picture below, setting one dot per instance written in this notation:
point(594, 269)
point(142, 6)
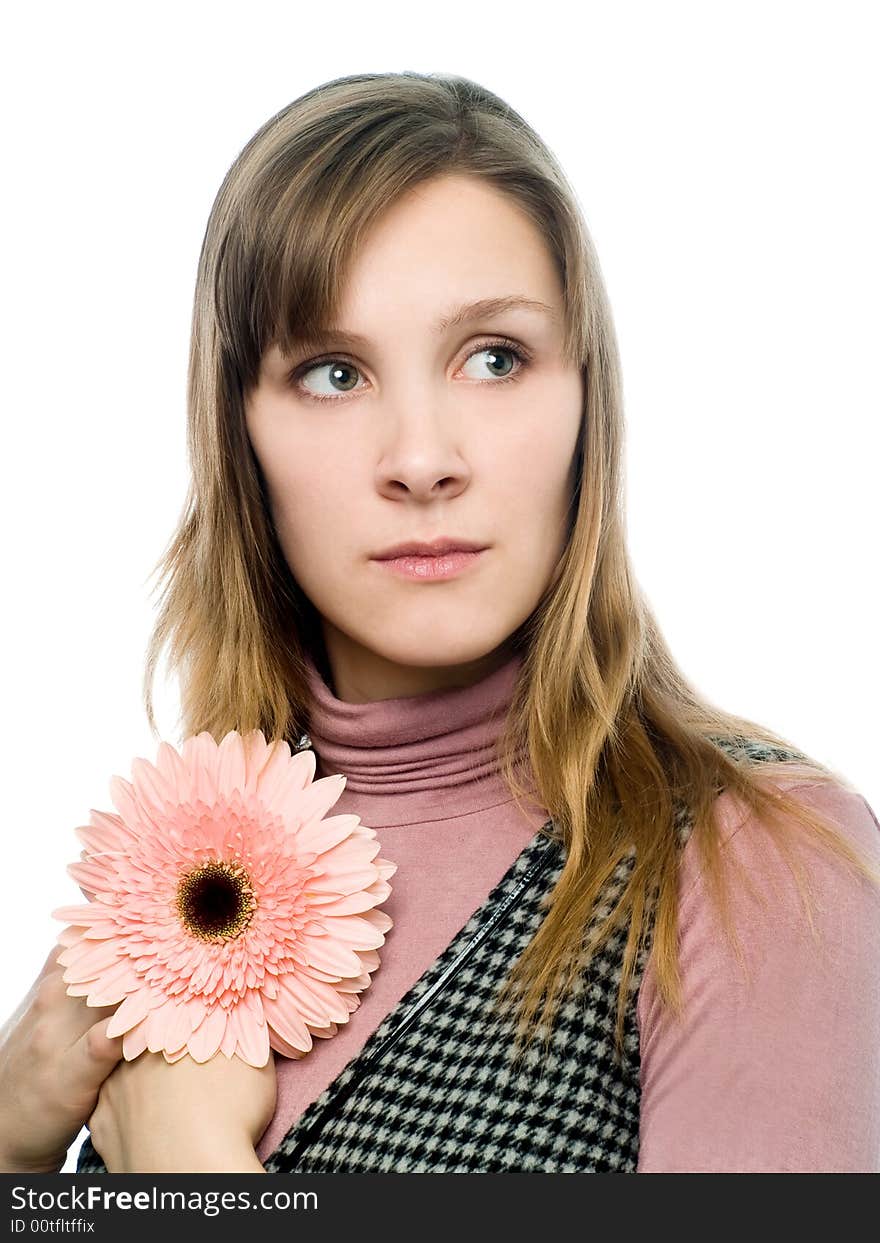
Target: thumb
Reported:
point(99, 1047)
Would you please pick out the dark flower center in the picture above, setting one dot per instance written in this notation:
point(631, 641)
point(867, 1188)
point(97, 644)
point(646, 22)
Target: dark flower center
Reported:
point(215, 901)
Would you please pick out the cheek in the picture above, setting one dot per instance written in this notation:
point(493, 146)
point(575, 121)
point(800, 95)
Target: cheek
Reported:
point(309, 521)
point(532, 476)
point(311, 488)
point(539, 439)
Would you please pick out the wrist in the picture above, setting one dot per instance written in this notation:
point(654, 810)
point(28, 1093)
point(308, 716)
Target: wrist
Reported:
point(201, 1157)
point(242, 1160)
point(226, 1158)
point(12, 1164)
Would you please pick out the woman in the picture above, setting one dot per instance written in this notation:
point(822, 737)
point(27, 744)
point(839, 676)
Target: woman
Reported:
point(401, 336)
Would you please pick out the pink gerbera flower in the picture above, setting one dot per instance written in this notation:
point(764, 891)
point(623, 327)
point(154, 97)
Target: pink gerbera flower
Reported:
point(226, 910)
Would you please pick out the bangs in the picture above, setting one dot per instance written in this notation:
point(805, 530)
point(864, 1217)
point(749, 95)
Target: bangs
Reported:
point(284, 259)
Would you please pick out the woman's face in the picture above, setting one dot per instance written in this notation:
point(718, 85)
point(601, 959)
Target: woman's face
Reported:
point(465, 430)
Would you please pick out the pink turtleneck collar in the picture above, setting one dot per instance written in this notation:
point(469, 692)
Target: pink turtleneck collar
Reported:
point(418, 758)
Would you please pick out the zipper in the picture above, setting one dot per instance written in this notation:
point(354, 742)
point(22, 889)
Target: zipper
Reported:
point(370, 1061)
point(480, 935)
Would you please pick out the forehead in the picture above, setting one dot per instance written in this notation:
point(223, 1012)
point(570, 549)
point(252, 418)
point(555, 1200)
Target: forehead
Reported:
point(444, 255)
point(461, 314)
point(456, 225)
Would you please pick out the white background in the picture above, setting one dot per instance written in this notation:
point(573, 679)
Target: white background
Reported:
point(724, 156)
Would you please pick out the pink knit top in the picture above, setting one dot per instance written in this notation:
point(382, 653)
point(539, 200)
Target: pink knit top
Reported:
point(776, 1072)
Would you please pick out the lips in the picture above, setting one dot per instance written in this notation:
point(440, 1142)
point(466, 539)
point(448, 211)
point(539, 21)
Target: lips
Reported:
point(436, 568)
point(428, 548)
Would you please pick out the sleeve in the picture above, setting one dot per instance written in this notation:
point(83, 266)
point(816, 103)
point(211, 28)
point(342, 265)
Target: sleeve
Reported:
point(780, 1071)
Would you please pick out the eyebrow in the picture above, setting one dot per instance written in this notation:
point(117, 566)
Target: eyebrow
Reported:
point(454, 317)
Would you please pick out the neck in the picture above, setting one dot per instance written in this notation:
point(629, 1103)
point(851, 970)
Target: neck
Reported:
point(356, 675)
point(413, 758)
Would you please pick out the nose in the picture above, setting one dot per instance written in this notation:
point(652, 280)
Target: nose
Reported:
point(421, 455)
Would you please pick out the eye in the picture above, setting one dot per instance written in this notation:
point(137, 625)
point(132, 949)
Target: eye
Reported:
point(496, 358)
point(342, 377)
point(342, 374)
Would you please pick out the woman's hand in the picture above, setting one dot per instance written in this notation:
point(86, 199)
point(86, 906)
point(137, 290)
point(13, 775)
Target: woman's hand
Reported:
point(54, 1056)
point(154, 1116)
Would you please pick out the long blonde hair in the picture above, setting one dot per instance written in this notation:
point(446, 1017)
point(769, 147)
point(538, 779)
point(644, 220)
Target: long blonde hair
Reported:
point(617, 740)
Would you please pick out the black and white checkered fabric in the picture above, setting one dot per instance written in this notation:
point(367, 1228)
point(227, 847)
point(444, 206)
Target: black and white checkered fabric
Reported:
point(434, 1090)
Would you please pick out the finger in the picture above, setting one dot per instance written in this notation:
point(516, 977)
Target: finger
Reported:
point(72, 1014)
point(97, 1052)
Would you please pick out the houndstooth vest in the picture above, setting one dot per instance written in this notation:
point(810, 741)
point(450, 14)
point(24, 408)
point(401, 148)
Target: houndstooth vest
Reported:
point(433, 1089)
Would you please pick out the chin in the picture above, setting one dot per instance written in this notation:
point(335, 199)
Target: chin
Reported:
point(439, 653)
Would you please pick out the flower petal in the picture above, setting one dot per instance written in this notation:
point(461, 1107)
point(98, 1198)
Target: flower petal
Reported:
point(230, 1039)
point(178, 1024)
point(98, 839)
point(175, 771)
point(272, 772)
point(256, 754)
point(329, 955)
point(314, 1007)
point(380, 920)
point(342, 882)
point(386, 868)
point(196, 1008)
point(231, 770)
point(206, 1040)
point(253, 1041)
point(330, 1006)
point(87, 913)
point(350, 855)
point(200, 757)
point(154, 1028)
point(355, 932)
point(133, 1010)
point(87, 960)
point(115, 984)
point(369, 958)
point(284, 1019)
point(92, 875)
point(152, 788)
point(320, 835)
point(299, 806)
point(135, 814)
point(280, 1045)
point(134, 1042)
point(355, 985)
point(347, 904)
